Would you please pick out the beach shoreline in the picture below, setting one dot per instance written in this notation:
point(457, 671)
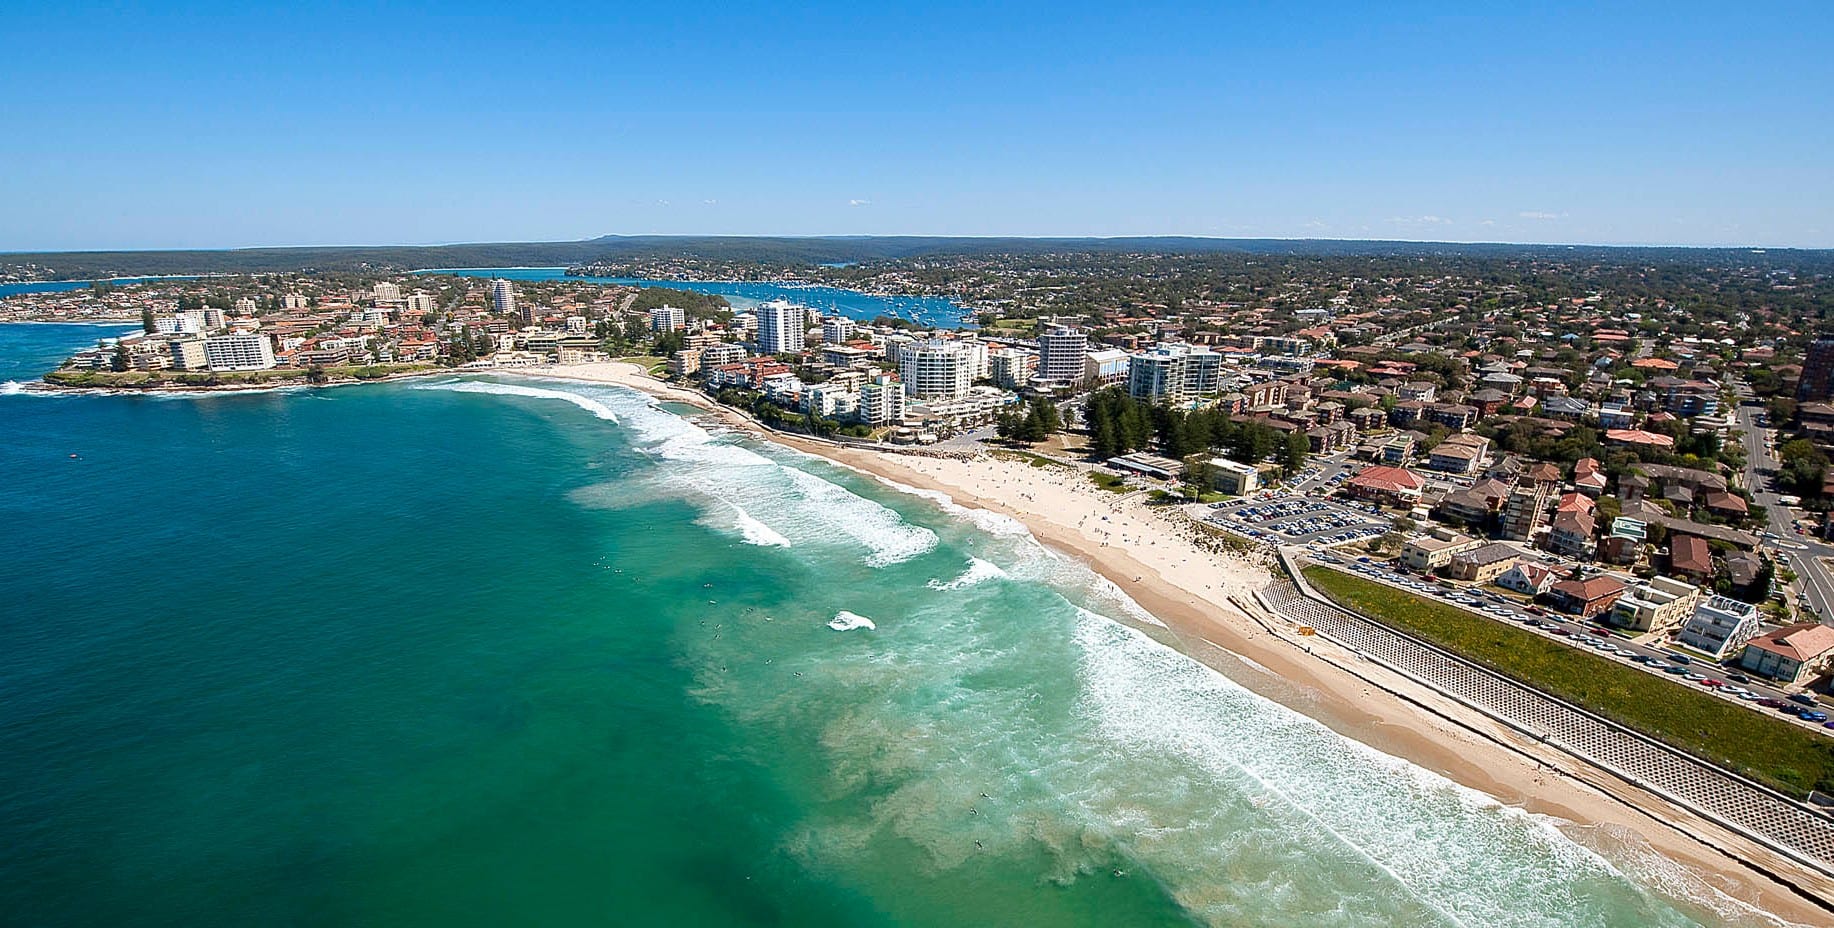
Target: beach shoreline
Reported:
point(1203, 596)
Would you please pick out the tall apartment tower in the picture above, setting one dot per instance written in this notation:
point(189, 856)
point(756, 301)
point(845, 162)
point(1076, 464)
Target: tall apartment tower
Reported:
point(937, 369)
point(1817, 383)
point(1061, 354)
point(783, 327)
point(502, 297)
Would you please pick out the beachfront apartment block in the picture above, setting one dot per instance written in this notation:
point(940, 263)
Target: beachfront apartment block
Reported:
point(937, 368)
point(1657, 605)
point(666, 318)
point(1720, 626)
point(1173, 372)
point(882, 401)
point(187, 354)
point(239, 352)
point(1061, 353)
point(783, 327)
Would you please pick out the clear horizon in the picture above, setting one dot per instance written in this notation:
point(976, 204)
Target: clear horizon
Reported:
point(212, 127)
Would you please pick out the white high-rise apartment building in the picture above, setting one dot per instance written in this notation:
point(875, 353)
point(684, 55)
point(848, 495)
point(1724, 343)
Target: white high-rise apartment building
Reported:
point(241, 352)
point(783, 327)
point(387, 292)
point(1173, 372)
point(668, 319)
point(882, 401)
point(1061, 354)
point(420, 302)
point(938, 369)
point(837, 330)
point(502, 296)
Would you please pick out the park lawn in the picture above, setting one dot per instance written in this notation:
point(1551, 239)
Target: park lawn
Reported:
point(1766, 749)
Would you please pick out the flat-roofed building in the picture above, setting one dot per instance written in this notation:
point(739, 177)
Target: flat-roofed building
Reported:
point(1657, 605)
point(1720, 626)
point(1483, 564)
point(241, 352)
point(1431, 552)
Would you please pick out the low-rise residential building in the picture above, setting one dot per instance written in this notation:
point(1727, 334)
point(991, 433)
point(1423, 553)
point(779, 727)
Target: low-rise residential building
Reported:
point(1657, 605)
point(1571, 534)
point(1530, 577)
point(1790, 655)
point(1484, 564)
point(1690, 556)
point(1459, 454)
point(1433, 551)
point(1720, 626)
point(1586, 598)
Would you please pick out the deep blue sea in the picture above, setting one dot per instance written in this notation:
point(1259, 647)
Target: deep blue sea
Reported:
point(474, 651)
point(927, 311)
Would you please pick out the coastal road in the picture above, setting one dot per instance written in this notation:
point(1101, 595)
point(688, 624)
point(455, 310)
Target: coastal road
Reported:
point(1572, 631)
point(1805, 553)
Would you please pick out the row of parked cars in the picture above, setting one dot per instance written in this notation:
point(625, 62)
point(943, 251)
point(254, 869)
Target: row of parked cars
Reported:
point(1800, 705)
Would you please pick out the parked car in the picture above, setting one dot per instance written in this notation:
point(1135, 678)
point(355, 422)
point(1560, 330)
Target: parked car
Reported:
point(1738, 678)
point(1802, 698)
point(1814, 716)
point(1772, 702)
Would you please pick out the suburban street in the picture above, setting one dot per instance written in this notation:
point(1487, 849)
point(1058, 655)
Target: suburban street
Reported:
point(1804, 554)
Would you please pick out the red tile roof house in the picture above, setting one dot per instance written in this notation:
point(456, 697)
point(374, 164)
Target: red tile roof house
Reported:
point(1638, 437)
point(1790, 654)
point(1689, 556)
point(1727, 505)
point(1393, 483)
point(1586, 598)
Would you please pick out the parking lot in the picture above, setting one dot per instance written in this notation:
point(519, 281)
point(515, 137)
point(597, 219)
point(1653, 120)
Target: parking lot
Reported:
point(1299, 520)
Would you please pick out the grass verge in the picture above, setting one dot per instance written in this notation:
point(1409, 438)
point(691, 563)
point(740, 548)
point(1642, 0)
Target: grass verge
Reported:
point(1766, 749)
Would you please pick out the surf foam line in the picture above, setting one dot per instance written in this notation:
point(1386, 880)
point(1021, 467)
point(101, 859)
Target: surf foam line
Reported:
point(978, 571)
point(509, 389)
point(1434, 838)
point(781, 505)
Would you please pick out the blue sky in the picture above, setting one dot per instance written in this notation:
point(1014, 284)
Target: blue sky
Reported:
point(210, 125)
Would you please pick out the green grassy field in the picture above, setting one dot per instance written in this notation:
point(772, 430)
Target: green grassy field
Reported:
point(1764, 748)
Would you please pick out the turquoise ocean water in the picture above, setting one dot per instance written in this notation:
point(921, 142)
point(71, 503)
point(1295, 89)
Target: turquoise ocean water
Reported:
point(492, 652)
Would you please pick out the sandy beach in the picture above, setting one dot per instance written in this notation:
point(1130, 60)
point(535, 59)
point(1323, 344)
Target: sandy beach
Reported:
point(1202, 592)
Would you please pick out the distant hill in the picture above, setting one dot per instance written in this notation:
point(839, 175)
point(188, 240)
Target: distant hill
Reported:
point(78, 265)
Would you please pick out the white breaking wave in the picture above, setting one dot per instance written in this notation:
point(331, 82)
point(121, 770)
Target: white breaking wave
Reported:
point(755, 532)
point(845, 621)
point(978, 571)
point(509, 389)
point(766, 502)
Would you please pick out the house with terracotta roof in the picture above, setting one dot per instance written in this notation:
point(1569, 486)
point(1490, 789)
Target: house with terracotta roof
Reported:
point(1638, 438)
point(1394, 484)
point(1730, 506)
point(1586, 598)
point(1689, 556)
point(1589, 476)
point(1791, 655)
